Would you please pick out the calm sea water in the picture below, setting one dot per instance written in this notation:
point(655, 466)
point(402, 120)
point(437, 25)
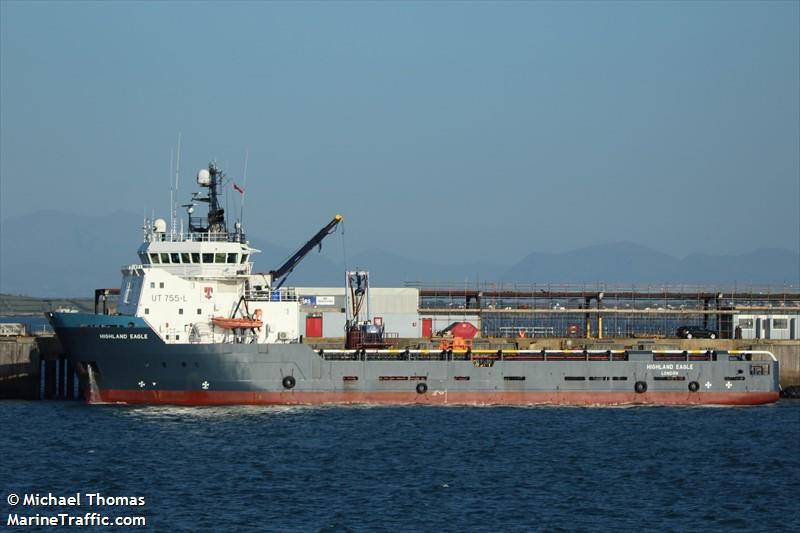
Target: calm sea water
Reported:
point(413, 468)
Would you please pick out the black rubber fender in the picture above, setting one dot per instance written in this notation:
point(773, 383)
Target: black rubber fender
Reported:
point(792, 392)
point(694, 386)
point(288, 382)
point(640, 387)
point(422, 388)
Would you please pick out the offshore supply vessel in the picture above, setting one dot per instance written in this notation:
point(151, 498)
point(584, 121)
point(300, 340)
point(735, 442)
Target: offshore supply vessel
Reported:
point(196, 326)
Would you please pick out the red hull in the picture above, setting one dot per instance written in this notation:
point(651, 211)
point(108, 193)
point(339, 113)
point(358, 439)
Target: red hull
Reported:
point(434, 398)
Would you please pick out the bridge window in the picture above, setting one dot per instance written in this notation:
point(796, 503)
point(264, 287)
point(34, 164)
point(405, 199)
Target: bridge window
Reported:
point(208, 258)
point(195, 258)
point(154, 259)
point(244, 258)
point(780, 323)
point(176, 259)
point(165, 258)
point(232, 258)
point(185, 258)
point(143, 257)
point(219, 258)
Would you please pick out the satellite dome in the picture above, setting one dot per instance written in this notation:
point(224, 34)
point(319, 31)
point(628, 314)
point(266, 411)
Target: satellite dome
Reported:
point(160, 225)
point(203, 177)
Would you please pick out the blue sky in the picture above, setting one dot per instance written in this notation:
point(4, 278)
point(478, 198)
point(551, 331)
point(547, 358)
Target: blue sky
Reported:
point(482, 130)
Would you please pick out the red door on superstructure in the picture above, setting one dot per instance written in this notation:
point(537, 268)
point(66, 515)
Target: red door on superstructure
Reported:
point(427, 328)
point(314, 326)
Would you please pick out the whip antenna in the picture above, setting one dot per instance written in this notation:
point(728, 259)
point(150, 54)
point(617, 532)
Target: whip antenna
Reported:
point(173, 205)
point(244, 188)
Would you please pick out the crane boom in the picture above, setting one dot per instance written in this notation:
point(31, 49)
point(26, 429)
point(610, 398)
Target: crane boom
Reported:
point(281, 273)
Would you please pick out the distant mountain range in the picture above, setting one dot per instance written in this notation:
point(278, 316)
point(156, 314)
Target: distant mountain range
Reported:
point(626, 262)
point(56, 254)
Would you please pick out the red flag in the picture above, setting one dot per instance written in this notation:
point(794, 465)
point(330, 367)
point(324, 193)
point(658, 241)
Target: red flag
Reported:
point(237, 188)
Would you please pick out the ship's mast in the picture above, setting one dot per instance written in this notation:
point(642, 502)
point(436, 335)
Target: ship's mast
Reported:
point(216, 215)
point(211, 178)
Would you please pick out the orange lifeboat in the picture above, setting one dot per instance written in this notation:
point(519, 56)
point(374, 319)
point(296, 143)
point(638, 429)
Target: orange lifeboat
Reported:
point(239, 323)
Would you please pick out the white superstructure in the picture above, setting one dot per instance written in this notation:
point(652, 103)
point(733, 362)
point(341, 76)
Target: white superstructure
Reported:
point(186, 279)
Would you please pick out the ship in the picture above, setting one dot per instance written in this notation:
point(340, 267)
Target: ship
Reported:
point(194, 325)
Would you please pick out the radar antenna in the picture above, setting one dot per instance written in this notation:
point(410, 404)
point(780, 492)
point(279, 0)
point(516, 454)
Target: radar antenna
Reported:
point(211, 178)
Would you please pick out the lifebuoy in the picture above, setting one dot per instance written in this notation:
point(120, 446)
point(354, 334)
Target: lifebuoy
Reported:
point(422, 388)
point(640, 387)
point(694, 386)
point(288, 382)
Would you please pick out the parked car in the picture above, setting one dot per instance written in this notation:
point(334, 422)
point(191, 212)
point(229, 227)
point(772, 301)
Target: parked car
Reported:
point(689, 332)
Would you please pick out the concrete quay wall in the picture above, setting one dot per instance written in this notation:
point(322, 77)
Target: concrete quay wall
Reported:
point(19, 368)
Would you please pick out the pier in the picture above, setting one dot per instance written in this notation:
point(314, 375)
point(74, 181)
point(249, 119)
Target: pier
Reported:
point(35, 368)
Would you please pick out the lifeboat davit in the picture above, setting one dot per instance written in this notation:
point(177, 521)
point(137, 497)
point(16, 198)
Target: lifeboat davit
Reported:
point(239, 323)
